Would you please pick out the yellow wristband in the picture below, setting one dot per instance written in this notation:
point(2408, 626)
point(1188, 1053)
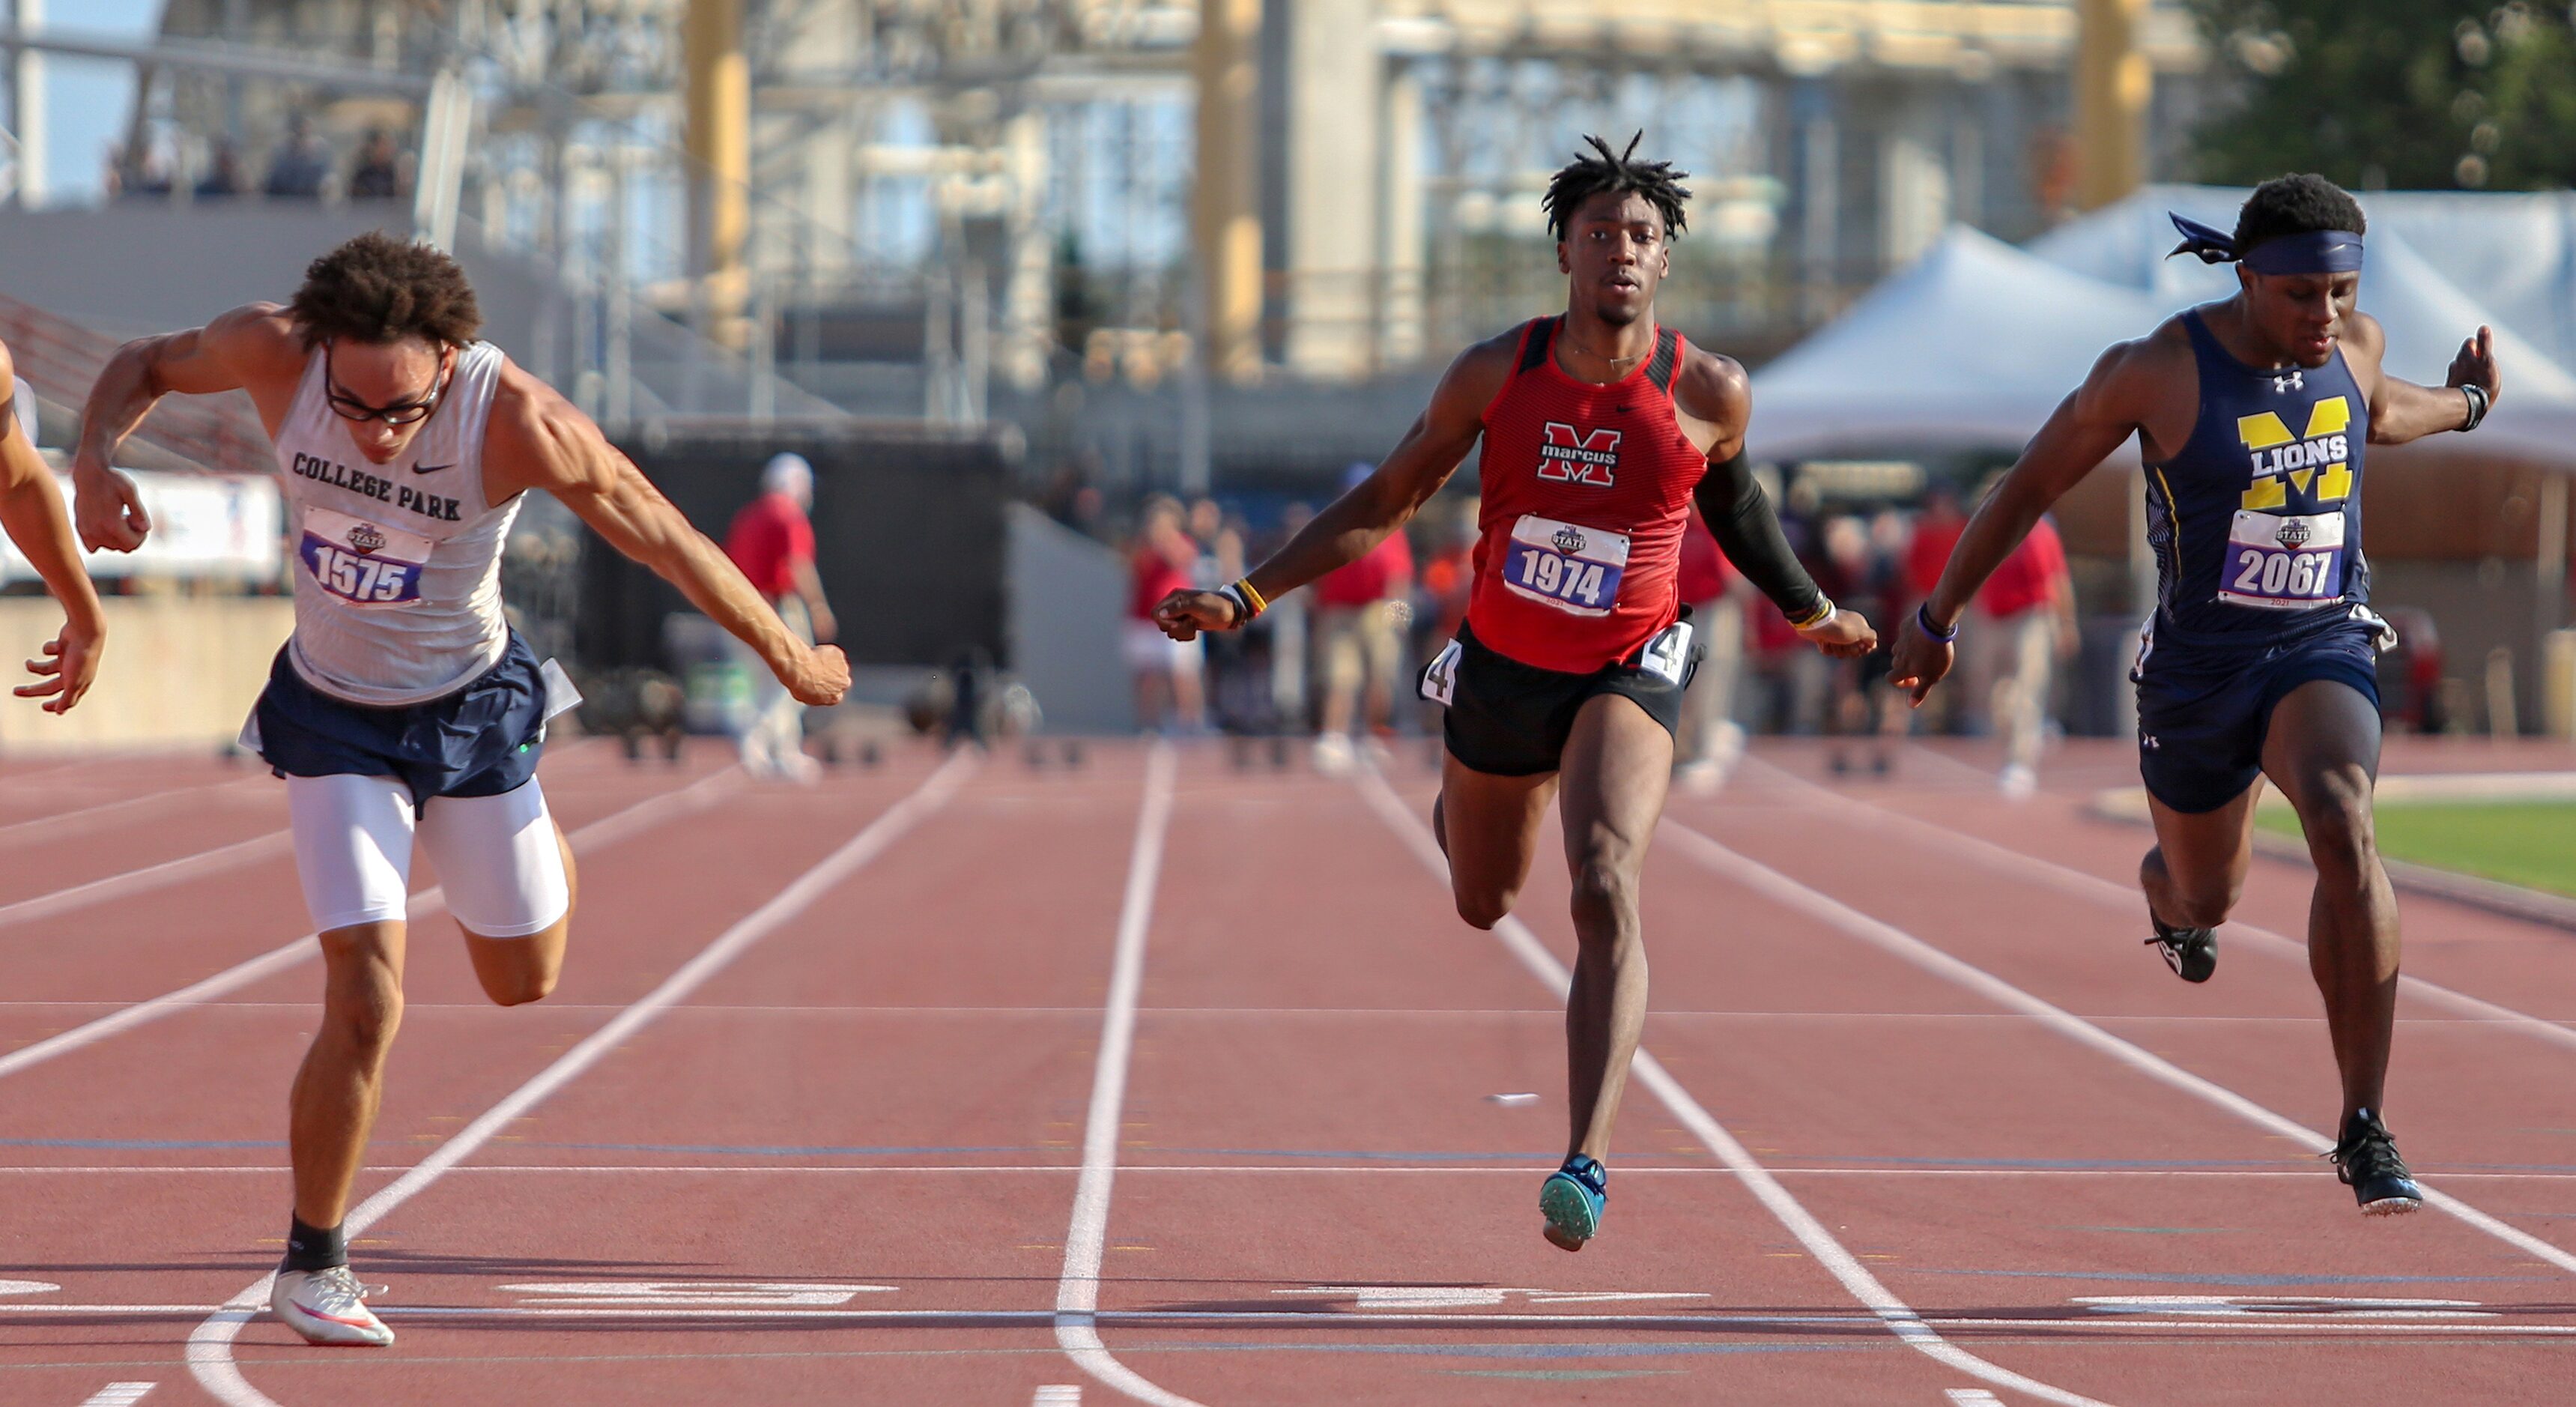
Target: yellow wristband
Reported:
point(1258, 605)
point(1824, 612)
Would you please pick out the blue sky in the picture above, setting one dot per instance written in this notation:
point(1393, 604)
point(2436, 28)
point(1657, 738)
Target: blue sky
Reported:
point(86, 101)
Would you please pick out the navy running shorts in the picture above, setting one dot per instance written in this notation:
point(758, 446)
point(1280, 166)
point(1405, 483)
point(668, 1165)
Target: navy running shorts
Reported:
point(1510, 719)
point(2205, 707)
point(482, 740)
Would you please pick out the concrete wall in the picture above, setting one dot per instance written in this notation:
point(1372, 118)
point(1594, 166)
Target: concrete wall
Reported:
point(1068, 598)
point(179, 672)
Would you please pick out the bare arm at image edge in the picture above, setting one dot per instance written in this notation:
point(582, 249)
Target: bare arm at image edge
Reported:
point(31, 512)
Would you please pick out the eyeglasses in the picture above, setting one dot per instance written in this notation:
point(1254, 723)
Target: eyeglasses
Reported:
point(409, 411)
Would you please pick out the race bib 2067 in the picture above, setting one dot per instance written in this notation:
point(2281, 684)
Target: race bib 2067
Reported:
point(2283, 562)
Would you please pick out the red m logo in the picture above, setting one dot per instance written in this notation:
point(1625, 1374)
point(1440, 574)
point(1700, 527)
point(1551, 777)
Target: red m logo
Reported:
point(1578, 457)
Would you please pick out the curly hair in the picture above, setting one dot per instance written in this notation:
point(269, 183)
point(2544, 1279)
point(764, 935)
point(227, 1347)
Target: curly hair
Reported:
point(377, 288)
point(1588, 176)
point(2296, 204)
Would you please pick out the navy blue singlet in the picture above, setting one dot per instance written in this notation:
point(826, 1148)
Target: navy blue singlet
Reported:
point(2256, 523)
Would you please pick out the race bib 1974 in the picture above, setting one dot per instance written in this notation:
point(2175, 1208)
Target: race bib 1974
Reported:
point(1571, 567)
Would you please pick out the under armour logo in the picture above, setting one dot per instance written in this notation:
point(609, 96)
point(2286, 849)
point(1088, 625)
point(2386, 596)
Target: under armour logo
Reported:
point(2294, 381)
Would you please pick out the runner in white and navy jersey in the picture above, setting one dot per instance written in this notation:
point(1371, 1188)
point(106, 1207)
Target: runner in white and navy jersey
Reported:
point(2252, 415)
point(404, 705)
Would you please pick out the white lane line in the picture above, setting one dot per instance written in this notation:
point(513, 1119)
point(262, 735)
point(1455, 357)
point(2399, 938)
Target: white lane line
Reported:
point(1057, 1395)
point(1970, 1396)
point(1318, 1169)
point(63, 824)
point(2090, 1328)
point(119, 1395)
point(210, 1347)
point(1791, 894)
point(608, 830)
point(1077, 1291)
point(2067, 880)
point(1898, 1317)
point(146, 879)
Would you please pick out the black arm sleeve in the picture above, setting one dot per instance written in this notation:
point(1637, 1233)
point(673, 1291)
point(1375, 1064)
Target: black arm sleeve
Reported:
point(1739, 515)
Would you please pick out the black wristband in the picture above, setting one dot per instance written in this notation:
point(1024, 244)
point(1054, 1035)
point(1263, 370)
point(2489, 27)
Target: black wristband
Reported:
point(1923, 618)
point(2476, 395)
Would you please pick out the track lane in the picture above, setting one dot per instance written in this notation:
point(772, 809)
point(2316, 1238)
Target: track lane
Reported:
point(2278, 1235)
point(211, 1080)
point(921, 1017)
point(1296, 1275)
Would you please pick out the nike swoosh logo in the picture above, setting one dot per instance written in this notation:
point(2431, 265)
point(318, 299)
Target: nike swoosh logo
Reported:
point(1623, 410)
point(432, 468)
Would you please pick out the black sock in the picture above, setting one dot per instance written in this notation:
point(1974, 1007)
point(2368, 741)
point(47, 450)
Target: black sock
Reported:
point(310, 1248)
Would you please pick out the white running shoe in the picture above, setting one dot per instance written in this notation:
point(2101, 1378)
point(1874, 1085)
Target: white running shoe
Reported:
point(2017, 782)
point(1701, 778)
point(1334, 755)
point(327, 1307)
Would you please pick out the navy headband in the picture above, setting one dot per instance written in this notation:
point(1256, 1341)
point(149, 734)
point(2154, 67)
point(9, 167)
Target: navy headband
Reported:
point(2314, 252)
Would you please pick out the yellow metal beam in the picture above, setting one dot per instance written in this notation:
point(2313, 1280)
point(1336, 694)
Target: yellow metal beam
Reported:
point(719, 146)
point(1225, 216)
point(2113, 84)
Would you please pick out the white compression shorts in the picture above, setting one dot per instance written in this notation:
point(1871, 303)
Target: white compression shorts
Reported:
point(495, 855)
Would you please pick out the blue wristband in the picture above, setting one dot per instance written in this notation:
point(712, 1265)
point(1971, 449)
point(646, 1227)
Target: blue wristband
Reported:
point(1923, 618)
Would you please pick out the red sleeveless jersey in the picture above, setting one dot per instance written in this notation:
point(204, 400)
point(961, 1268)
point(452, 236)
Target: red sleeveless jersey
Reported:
point(1586, 490)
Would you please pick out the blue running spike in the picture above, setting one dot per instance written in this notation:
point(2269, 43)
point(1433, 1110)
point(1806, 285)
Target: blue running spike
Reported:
point(1572, 1200)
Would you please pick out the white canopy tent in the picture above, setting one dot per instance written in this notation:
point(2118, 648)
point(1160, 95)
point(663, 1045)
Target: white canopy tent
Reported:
point(1971, 347)
point(2426, 314)
point(2513, 252)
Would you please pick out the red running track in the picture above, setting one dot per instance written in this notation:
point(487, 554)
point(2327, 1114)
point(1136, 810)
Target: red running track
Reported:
point(1161, 1080)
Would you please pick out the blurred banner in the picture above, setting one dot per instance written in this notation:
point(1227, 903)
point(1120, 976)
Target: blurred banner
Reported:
point(220, 527)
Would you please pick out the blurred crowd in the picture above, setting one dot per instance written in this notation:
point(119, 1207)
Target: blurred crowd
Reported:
point(302, 166)
point(1335, 662)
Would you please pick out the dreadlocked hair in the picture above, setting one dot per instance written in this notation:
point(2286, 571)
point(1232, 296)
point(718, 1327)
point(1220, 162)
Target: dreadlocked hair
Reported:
point(378, 289)
point(1621, 173)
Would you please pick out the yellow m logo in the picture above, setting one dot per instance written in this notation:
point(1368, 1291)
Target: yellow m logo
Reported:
point(2331, 416)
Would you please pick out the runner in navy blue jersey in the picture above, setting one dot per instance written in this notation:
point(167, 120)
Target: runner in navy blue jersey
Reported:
point(2252, 415)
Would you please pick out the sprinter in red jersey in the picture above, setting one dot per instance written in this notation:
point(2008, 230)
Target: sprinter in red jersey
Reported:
point(1599, 428)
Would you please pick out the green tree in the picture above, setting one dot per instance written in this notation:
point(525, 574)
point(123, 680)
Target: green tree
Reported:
point(2409, 94)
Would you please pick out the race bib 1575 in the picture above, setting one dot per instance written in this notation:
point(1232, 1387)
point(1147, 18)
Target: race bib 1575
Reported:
point(1571, 567)
point(362, 563)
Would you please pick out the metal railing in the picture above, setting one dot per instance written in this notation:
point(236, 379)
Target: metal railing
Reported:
point(61, 359)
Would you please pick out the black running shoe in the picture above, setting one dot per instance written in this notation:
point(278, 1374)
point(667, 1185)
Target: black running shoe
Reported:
point(2366, 1159)
point(2191, 952)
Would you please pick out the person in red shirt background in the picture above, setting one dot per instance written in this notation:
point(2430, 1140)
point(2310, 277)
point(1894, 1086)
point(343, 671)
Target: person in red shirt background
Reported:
point(1162, 559)
point(1711, 740)
point(1936, 535)
point(1360, 614)
point(772, 541)
point(2026, 621)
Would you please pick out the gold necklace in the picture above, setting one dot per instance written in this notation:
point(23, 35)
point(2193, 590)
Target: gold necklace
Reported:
point(1600, 357)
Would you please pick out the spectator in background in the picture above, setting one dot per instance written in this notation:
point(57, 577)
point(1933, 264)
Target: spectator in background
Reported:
point(1711, 740)
point(378, 174)
point(1361, 611)
point(1936, 534)
point(772, 540)
point(1863, 568)
point(2026, 618)
point(300, 165)
point(1162, 560)
point(223, 178)
point(1286, 621)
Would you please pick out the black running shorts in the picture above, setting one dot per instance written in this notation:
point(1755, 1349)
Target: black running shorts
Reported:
point(1509, 719)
